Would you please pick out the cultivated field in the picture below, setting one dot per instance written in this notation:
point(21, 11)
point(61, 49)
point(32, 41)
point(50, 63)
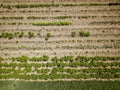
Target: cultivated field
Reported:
point(68, 40)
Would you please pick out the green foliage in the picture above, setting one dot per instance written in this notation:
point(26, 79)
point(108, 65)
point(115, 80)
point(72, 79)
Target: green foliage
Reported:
point(63, 17)
point(7, 35)
point(48, 35)
point(73, 34)
point(31, 34)
point(43, 71)
point(10, 36)
point(45, 58)
point(55, 5)
point(21, 34)
point(35, 5)
point(7, 6)
point(5, 18)
point(55, 58)
point(62, 68)
point(83, 33)
point(34, 17)
point(1, 59)
point(20, 59)
point(67, 58)
point(60, 23)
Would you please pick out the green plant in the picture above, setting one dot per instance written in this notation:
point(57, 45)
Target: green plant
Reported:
point(83, 33)
point(7, 6)
point(55, 58)
point(10, 36)
point(73, 34)
point(21, 34)
point(31, 34)
point(7, 35)
point(63, 17)
point(48, 35)
point(45, 58)
point(60, 23)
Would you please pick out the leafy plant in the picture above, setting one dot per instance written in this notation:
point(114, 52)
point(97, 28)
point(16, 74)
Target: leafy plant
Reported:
point(60, 23)
point(21, 34)
point(83, 33)
point(48, 35)
point(31, 34)
point(45, 58)
point(73, 34)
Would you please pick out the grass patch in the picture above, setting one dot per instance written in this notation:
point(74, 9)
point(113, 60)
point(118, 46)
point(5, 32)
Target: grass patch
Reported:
point(60, 23)
point(60, 85)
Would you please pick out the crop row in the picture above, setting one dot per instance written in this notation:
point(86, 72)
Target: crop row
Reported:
point(31, 34)
point(61, 64)
point(55, 5)
point(21, 34)
point(105, 22)
point(60, 23)
point(65, 58)
point(100, 75)
point(69, 17)
point(57, 17)
point(14, 23)
point(112, 41)
point(11, 35)
point(4, 18)
point(60, 67)
point(80, 46)
point(100, 29)
point(56, 70)
point(37, 11)
point(61, 76)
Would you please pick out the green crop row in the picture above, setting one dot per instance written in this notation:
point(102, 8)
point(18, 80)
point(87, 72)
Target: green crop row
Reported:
point(60, 23)
point(11, 35)
point(11, 18)
point(58, 69)
point(55, 5)
point(81, 33)
point(57, 17)
point(21, 34)
point(25, 58)
point(64, 58)
point(86, 71)
point(61, 64)
point(68, 17)
point(61, 76)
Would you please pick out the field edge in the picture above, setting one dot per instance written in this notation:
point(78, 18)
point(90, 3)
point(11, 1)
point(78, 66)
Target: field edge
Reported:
point(59, 85)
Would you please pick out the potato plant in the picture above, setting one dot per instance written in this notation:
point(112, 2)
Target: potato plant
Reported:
point(59, 23)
